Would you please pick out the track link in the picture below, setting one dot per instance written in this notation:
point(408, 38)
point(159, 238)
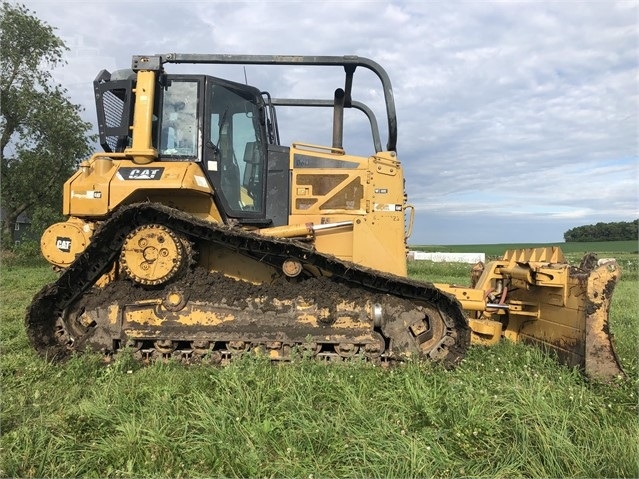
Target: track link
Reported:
point(50, 336)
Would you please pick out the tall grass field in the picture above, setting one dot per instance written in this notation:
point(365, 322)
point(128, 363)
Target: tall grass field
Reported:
point(506, 411)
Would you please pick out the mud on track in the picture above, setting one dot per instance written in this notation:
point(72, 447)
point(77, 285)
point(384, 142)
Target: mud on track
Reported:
point(343, 281)
point(200, 285)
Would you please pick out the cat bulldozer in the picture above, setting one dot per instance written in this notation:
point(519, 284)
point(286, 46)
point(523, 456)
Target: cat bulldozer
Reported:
point(196, 235)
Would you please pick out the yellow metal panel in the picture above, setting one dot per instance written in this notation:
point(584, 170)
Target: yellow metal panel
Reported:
point(101, 184)
point(378, 242)
point(170, 176)
point(87, 191)
point(330, 186)
point(470, 299)
point(338, 243)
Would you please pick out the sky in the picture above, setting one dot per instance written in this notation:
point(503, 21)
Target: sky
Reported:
point(516, 120)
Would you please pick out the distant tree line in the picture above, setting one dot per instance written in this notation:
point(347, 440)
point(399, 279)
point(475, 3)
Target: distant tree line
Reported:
point(619, 231)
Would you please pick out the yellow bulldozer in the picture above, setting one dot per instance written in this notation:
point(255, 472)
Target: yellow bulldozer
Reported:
point(197, 235)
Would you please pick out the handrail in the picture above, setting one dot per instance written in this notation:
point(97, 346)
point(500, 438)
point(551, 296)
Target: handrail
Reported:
point(377, 143)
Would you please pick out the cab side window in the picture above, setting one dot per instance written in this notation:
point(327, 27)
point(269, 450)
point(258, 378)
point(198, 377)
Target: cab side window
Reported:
point(235, 133)
point(179, 125)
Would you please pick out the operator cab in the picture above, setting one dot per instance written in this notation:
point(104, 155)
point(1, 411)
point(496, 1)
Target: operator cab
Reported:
point(219, 124)
point(222, 125)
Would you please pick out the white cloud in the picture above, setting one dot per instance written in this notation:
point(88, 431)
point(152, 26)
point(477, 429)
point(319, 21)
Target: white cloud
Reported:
point(504, 108)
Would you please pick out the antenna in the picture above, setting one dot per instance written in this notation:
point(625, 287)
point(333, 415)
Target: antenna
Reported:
point(245, 79)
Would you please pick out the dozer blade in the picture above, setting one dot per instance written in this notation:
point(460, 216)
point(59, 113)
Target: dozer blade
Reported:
point(578, 332)
point(600, 358)
point(534, 296)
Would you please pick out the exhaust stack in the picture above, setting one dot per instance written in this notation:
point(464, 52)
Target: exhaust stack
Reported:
point(338, 118)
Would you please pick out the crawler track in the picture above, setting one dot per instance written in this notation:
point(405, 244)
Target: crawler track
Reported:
point(261, 322)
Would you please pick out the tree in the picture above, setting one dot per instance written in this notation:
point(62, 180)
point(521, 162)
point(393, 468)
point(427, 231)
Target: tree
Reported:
point(42, 137)
point(619, 231)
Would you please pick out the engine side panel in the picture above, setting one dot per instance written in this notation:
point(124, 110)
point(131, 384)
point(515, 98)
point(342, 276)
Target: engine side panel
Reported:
point(330, 187)
point(102, 184)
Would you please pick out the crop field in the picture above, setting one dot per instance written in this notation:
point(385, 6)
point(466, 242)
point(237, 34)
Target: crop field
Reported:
point(506, 411)
point(612, 248)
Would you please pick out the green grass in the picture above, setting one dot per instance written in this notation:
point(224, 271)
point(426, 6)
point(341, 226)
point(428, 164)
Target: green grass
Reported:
point(506, 411)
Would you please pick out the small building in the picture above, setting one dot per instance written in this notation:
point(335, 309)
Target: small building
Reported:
point(21, 229)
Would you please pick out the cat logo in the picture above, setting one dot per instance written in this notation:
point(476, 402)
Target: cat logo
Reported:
point(63, 244)
point(128, 173)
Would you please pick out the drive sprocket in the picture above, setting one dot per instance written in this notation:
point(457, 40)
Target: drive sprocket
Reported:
point(153, 254)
